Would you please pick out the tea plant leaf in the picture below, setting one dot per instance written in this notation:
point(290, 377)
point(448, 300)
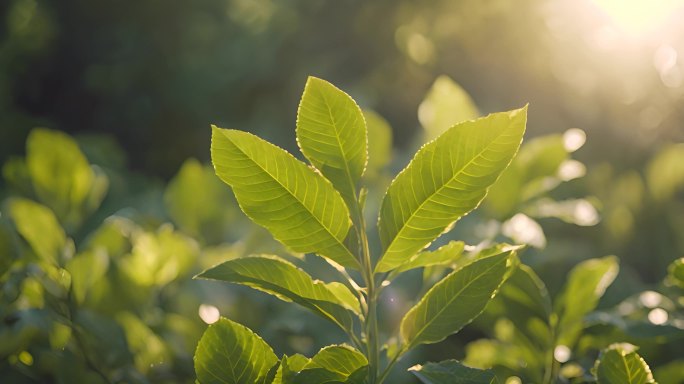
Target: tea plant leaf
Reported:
point(279, 278)
point(454, 301)
point(331, 133)
point(379, 143)
point(445, 104)
point(620, 363)
point(289, 368)
point(675, 273)
point(586, 284)
point(452, 372)
point(444, 255)
point(446, 179)
point(231, 353)
point(298, 206)
point(334, 364)
point(38, 225)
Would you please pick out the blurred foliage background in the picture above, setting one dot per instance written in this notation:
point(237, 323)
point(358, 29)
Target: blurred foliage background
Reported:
point(138, 83)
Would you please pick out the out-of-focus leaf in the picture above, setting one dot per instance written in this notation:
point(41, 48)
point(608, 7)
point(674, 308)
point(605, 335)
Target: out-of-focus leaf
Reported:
point(524, 230)
point(86, 270)
point(455, 301)
point(444, 256)
point(159, 258)
point(379, 143)
point(16, 173)
point(446, 179)
point(445, 105)
point(297, 205)
point(333, 364)
point(102, 337)
point(670, 373)
point(38, 225)
point(231, 353)
point(585, 285)
point(452, 372)
point(535, 170)
point(279, 278)
point(198, 202)
point(675, 273)
point(331, 133)
point(8, 250)
point(148, 349)
point(114, 236)
point(620, 363)
point(665, 172)
point(61, 175)
point(573, 211)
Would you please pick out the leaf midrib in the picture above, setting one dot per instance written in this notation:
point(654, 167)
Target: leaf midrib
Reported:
point(450, 301)
point(438, 190)
point(292, 194)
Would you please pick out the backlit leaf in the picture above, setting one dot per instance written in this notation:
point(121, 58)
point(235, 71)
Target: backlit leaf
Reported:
point(231, 353)
point(331, 133)
point(586, 284)
point(446, 179)
point(455, 301)
point(452, 372)
point(38, 225)
point(297, 205)
point(445, 104)
point(620, 363)
point(277, 277)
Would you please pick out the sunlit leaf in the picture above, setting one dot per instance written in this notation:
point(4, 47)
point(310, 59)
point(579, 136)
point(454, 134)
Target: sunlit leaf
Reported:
point(61, 175)
point(675, 273)
point(198, 202)
point(665, 173)
point(379, 143)
point(524, 230)
point(573, 211)
point(333, 364)
point(86, 270)
point(331, 133)
point(157, 258)
point(38, 225)
point(444, 255)
point(446, 179)
point(279, 278)
point(454, 302)
point(445, 104)
point(231, 353)
point(585, 285)
point(289, 368)
point(620, 363)
point(297, 205)
point(452, 372)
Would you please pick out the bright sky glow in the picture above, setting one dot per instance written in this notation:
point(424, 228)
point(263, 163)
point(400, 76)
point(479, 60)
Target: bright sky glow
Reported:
point(637, 16)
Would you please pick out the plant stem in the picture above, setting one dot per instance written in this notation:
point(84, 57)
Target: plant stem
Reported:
point(389, 367)
point(371, 319)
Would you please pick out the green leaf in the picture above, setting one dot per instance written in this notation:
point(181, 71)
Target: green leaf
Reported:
point(38, 225)
point(199, 202)
point(586, 284)
point(62, 177)
point(158, 258)
point(675, 273)
point(297, 205)
point(446, 179)
point(279, 278)
point(289, 368)
point(231, 353)
point(333, 364)
point(445, 104)
point(331, 133)
point(454, 301)
point(379, 143)
point(442, 256)
point(86, 269)
point(452, 372)
point(620, 363)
